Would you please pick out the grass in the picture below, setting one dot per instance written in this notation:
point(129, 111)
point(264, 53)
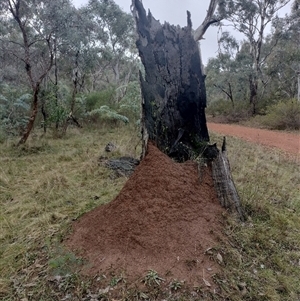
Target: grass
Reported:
point(44, 186)
point(50, 182)
point(265, 253)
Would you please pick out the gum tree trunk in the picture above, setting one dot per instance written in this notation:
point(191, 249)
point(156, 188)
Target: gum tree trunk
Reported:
point(34, 110)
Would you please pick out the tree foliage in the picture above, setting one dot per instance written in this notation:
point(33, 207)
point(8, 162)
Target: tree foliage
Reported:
point(252, 18)
point(261, 69)
point(60, 55)
point(56, 45)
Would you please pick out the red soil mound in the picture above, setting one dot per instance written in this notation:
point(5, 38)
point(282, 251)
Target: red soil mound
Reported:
point(164, 219)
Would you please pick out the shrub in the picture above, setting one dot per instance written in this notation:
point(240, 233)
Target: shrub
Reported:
point(103, 106)
point(218, 107)
point(130, 104)
point(97, 99)
point(108, 114)
point(229, 113)
point(56, 105)
point(283, 115)
point(14, 111)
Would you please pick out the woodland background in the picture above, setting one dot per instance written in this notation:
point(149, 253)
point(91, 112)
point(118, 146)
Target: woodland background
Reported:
point(57, 59)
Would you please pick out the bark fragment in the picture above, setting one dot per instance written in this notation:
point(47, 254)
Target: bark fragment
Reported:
point(223, 182)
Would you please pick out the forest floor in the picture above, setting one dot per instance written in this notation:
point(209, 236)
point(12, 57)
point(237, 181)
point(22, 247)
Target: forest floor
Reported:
point(71, 229)
point(288, 142)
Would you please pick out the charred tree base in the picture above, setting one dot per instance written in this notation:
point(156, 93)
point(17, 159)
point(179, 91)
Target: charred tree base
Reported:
point(174, 100)
point(221, 173)
point(71, 119)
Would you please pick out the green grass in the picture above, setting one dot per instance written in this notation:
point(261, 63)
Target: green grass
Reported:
point(50, 182)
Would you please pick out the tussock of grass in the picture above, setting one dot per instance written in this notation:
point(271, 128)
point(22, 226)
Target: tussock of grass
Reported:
point(50, 182)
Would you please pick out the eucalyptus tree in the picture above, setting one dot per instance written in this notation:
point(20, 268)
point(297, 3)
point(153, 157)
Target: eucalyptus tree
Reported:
point(282, 67)
point(85, 50)
point(228, 73)
point(118, 50)
point(221, 79)
point(252, 18)
point(222, 71)
point(296, 26)
point(62, 19)
point(287, 54)
point(79, 47)
point(30, 36)
point(282, 57)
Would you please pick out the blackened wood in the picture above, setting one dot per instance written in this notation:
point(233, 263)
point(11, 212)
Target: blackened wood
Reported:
point(225, 187)
point(174, 99)
point(173, 88)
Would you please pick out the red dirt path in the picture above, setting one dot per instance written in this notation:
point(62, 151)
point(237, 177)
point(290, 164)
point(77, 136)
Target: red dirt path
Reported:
point(285, 141)
point(164, 219)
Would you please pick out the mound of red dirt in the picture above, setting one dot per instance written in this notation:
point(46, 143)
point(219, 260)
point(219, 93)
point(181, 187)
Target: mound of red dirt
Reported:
point(164, 219)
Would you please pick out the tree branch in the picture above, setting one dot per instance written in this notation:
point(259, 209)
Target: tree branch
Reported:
point(209, 19)
point(10, 41)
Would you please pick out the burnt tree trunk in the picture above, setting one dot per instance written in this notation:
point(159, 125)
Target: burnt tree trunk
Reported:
point(174, 99)
point(173, 89)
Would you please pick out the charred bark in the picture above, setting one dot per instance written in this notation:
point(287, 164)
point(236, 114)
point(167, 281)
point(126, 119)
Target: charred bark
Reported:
point(253, 85)
point(76, 75)
point(45, 115)
point(71, 119)
point(173, 89)
point(174, 99)
point(56, 82)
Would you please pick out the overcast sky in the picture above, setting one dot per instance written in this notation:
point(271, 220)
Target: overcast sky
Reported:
point(174, 12)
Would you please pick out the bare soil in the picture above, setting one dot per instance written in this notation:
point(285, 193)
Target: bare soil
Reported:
point(164, 219)
point(287, 142)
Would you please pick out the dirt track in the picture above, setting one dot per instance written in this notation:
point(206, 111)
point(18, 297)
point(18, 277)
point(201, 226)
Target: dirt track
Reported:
point(285, 141)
